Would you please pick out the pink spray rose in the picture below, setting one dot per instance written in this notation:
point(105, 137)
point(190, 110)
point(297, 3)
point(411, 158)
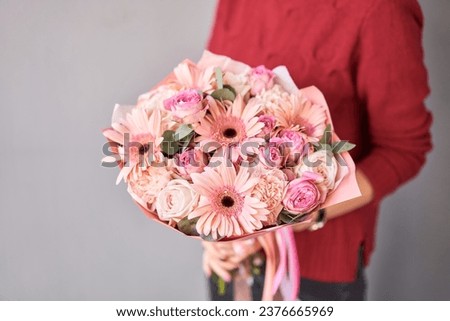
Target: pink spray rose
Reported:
point(187, 106)
point(302, 195)
point(269, 124)
point(192, 160)
point(261, 79)
point(294, 143)
point(272, 155)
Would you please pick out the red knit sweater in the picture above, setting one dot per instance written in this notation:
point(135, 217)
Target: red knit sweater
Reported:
point(366, 57)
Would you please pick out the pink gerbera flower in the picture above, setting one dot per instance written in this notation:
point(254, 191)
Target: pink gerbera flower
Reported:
point(230, 127)
point(226, 207)
point(139, 136)
point(299, 113)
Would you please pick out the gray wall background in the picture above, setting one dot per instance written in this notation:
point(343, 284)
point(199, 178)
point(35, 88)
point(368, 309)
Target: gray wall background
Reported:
point(67, 232)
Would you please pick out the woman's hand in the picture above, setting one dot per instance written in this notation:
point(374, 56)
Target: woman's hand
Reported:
point(223, 257)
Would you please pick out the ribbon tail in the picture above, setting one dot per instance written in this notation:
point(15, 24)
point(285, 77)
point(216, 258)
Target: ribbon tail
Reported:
point(293, 264)
point(282, 266)
point(268, 244)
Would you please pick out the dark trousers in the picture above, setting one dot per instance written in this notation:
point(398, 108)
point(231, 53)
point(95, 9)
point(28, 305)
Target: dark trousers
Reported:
point(310, 290)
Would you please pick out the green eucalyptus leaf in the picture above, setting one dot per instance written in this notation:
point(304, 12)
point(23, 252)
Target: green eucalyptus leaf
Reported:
point(223, 94)
point(291, 218)
point(342, 146)
point(168, 145)
point(186, 140)
point(230, 88)
point(209, 238)
point(183, 131)
point(188, 226)
point(327, 147)
point(327, 135)
point(316, 146)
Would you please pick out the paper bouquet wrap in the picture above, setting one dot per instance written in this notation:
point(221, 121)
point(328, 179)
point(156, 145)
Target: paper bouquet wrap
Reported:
point(223, 151)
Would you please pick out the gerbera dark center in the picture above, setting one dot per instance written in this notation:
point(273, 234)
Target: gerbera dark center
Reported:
point(144, 149)
point(227, 201)
point(230, 133)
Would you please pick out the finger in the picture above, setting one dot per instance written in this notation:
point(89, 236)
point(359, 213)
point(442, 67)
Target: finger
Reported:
point(220, 271)
point(225, 245)
point(221, 267)
point(213, 250)
point(244, 253)
point(227, 264)
point(224, 249)
point(206, 268)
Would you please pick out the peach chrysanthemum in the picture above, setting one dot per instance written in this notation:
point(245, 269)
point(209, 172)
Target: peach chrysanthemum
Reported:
point(226, 207)
point(299, 113)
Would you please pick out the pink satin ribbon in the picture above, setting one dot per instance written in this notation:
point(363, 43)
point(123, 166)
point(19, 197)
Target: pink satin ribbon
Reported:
point(282, 266)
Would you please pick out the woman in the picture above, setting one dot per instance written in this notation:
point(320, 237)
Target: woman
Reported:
point(367, 59)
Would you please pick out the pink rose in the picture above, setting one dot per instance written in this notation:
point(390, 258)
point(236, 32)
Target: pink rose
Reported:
point(269, 124)
point(261, 79)
point(192, 160)
point(295, 145)
point(302, 195)
point(186, 106)
point(272, 155)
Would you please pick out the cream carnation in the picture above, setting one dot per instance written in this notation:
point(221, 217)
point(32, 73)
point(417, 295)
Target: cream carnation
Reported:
point(270, 190)
point(239, 82)
point(154, 99)
point(270, 99)
point(145, 187)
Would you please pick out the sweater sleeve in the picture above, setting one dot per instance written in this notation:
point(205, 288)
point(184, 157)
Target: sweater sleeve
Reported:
point(392, 84)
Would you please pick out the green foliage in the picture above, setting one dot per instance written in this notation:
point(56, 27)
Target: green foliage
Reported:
point(290, 218)
point(188, 226)
point(169, 145)
point(173, 141)
point(326, 143)
point(209, 238)
point(183, 131)
point(224, 94)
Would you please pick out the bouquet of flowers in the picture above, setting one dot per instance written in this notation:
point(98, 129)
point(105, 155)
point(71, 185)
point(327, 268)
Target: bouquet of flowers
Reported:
point(223, 151)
